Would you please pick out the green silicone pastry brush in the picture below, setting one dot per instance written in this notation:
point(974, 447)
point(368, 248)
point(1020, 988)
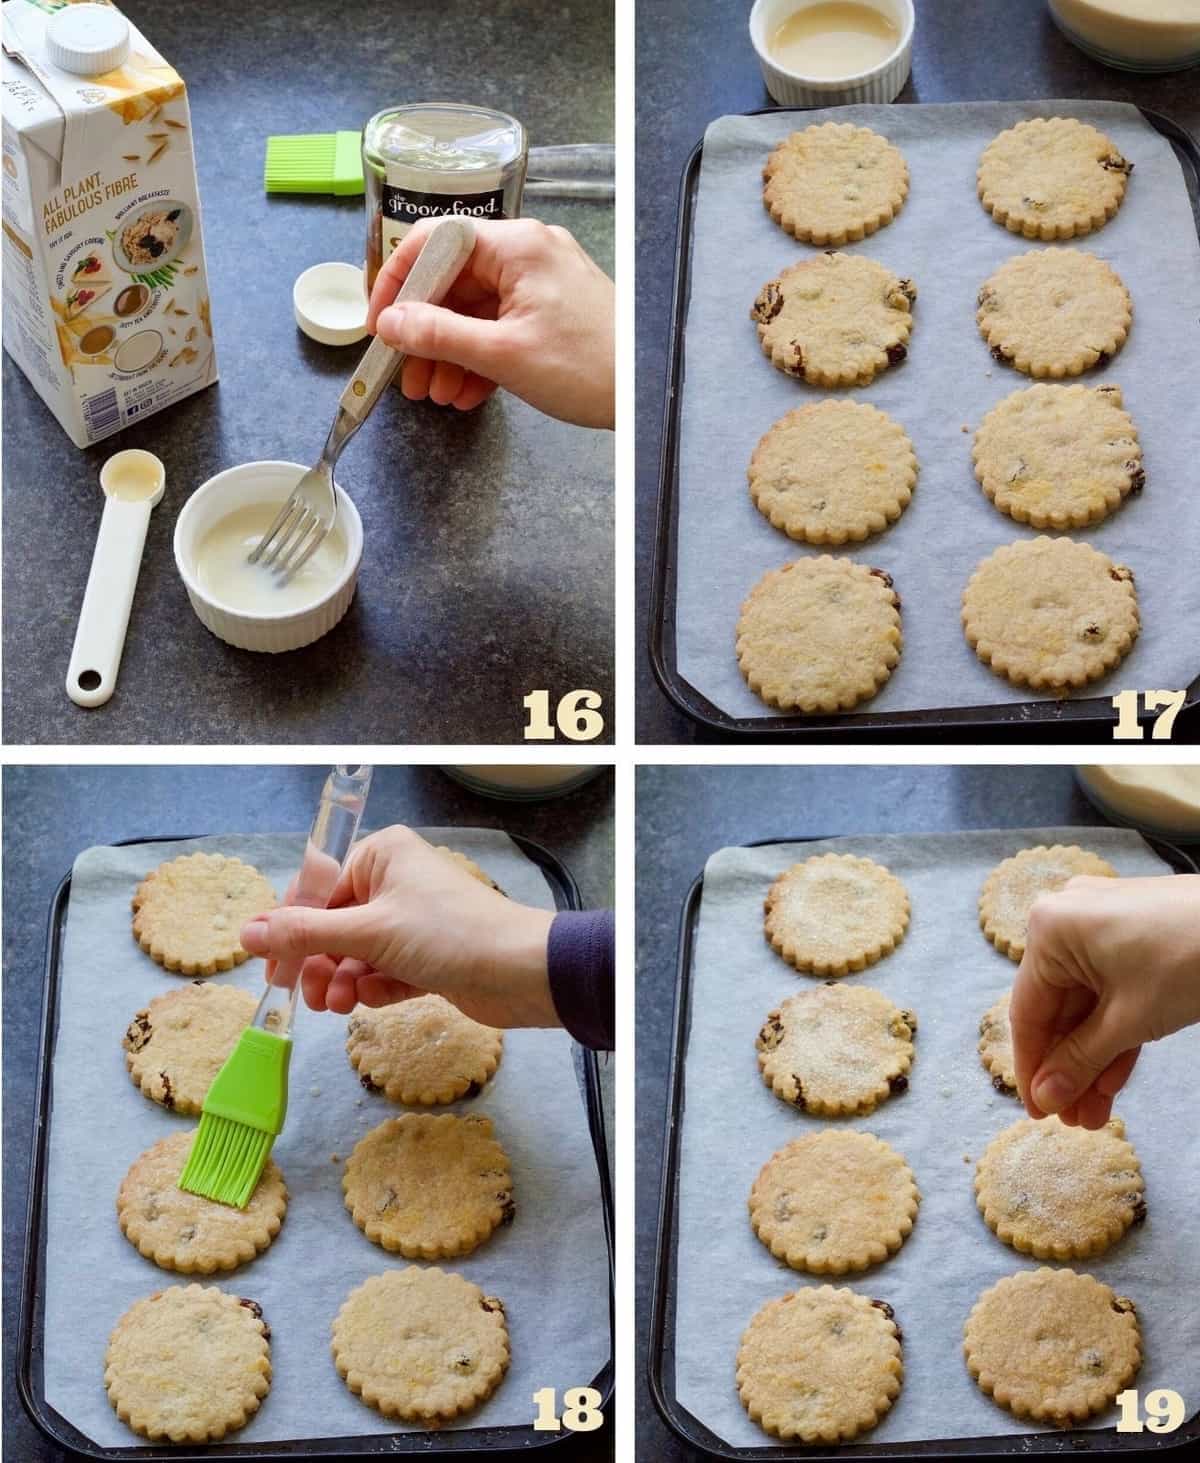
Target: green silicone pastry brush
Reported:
point(314, 162)
point(331, 162)
point(245, 1108)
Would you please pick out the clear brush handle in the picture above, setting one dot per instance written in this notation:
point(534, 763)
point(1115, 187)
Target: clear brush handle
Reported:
point(576, 170)
point(330, 839)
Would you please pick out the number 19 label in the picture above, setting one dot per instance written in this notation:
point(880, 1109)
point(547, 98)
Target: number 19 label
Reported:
point(1164, 1411)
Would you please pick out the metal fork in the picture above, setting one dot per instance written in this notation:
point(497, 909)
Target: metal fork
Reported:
point(308, 515)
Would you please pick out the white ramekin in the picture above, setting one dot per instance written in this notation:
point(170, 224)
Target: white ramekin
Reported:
point(882, 84)
point(261, 482)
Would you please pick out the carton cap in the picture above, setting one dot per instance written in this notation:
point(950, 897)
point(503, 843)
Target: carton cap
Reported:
point(87, 39)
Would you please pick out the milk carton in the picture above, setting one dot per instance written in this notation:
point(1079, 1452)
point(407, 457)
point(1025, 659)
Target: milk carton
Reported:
point(106, 305)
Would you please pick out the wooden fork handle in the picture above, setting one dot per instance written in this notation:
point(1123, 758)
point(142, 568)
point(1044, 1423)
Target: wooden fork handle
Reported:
point(437, 266)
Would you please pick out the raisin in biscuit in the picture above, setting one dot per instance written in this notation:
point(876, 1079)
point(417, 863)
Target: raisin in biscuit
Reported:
point(1009, 891)
point(1059, 456)
point(834, 1201)
point(836, 1049)
point(188, 913)
point(422, 1051)
point(996, 1046)
point(188, 1233)
point(176, 1045)
point(835, 913)
point(834, 182)
point(1050, 613)
point(819, 635)
point(1052, 178)
point(820, 1364)
point(191, 1364)
point(421, 1344)
point(427, 1186)
point(1054, 312)
point(1052, 1345)
point(835, 319)
point(1060, 1193)
point(833, 471)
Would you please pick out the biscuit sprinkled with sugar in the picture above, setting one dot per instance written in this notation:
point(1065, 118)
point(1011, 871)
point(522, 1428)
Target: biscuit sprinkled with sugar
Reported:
point(834, 182)
point(1052, 178)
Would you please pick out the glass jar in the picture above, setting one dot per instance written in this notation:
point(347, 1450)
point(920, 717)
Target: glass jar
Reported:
point(1134, 35)
point(428, 159)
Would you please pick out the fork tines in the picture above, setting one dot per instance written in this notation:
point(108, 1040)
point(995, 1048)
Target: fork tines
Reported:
point(292, 538)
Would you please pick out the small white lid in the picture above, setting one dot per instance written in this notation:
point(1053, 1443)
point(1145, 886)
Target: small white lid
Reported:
point(87, 39)
point(330, 303)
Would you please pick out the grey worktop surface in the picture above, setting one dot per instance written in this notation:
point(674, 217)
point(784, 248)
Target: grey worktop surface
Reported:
point(686, 813)
point(696, 63)
point(488, 566)
point(51, 814)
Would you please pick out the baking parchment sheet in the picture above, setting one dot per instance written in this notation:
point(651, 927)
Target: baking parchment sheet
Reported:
point(549, 1267)
point(948, 973)
point(944, 241)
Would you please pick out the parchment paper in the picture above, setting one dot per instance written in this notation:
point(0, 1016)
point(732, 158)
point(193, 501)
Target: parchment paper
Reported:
point(948, 245)
point(549, 1267)
point(948, 973)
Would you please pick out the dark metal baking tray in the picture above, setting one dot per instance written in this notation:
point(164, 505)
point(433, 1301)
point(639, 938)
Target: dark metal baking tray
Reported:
point(660, 1355)
point(1090, 715)
point(476, 1442)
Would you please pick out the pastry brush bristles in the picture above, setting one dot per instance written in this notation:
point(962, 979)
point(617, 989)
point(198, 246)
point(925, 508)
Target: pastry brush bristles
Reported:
point(226, 1161)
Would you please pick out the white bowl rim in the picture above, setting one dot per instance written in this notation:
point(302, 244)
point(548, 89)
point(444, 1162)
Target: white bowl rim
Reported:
point(836, 82)
point(354, 548)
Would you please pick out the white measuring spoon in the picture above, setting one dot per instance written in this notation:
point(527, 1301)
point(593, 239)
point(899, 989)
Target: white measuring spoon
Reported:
point(133, 483)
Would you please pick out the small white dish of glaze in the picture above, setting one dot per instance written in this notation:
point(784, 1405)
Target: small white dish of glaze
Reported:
point(240, 603)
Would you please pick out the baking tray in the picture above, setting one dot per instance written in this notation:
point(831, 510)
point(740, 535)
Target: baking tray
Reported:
point(1089, 716)
point(660, 1358)
point(476, 1442)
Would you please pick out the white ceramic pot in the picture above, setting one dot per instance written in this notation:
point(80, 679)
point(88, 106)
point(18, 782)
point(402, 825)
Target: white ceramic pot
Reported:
point(262, 482)
point(882, 83)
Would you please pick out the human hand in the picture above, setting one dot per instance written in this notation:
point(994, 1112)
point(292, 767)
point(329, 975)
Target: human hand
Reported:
point(1109, 964)
point(530, 311)
point(405, 920)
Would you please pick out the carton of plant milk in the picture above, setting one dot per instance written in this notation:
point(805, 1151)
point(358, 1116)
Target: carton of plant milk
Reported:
point(106, 305)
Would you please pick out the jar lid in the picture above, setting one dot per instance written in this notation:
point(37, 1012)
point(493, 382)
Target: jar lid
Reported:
point(444, 136)
point(87, 39)
point(330, 303)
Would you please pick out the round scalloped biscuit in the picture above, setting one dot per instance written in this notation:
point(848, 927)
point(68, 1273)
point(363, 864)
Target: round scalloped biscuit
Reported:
point(819, 635)
point(189, 912)
point(1054, 312)
point(421, 1344)
point(1052, 178)
point(835, 319)
point(996, 1046)
point(834, 913)
point(1060, 1193)
point(1009, 891)
point(1059, 456)
point(836, 1049)
point(176, 1045)
point(820, 1364)
point(1050, 613)
point(833, 471)
point(834, 1201)
point(188, 1233)
point(191, 1363)
point(1052, 1345)
point(429, 1186)
point(422, 1051)
point(834, 182)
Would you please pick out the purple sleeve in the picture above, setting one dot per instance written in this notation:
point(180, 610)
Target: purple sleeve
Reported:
point(581, 962)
